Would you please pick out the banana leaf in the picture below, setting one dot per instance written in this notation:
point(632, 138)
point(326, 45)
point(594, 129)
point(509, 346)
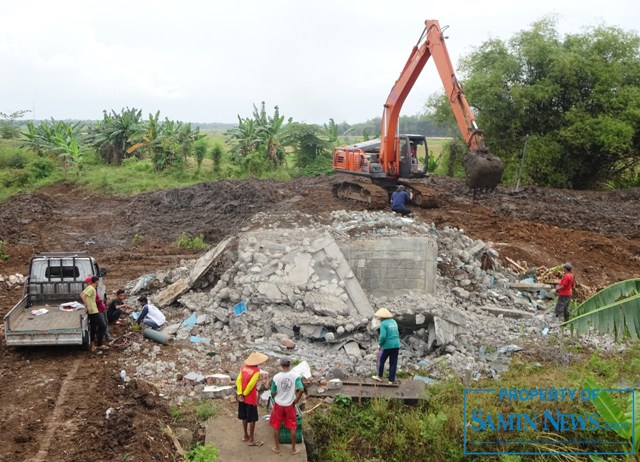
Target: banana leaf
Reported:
point(633, 415)
point(608, 409)
point(614, 310)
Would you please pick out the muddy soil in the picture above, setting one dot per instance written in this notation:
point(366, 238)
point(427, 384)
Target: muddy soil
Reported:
point(53, 401)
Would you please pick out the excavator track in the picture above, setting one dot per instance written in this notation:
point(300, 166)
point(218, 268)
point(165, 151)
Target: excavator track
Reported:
point(423, 195)
point(364, 193)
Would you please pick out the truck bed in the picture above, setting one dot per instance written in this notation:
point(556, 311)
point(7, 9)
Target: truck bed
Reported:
point(56, 327)
point(56, 319)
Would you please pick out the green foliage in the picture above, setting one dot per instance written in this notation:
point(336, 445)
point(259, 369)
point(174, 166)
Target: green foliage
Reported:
point(112, 136)
point(206, 410)
point(200, 151)
point(9, 127)
point(309, 142)
point(450, 160)
point(626, 423)
point(202, 453)
point(216, 157)
point(3, 255)
point(57, 139)
point(175, 412)
point(341, 400)
point(167, 143)
point(195, 243)
point(577, 97)
point(614, 310)
point(433, 429)
point(137, 239)
point(261, 137)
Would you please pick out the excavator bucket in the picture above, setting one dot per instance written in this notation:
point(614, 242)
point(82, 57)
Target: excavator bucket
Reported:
point(483, 171)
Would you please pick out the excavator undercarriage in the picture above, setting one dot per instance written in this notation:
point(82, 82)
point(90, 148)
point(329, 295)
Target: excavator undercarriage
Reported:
point(367, 193)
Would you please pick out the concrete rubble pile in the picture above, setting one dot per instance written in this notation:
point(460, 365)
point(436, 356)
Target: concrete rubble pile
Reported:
point(308, 287)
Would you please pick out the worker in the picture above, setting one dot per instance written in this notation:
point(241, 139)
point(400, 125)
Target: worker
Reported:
point(247, 396)
point(96, 321)
point(150, 314)
point(389, 341)
point(413, 149)
point(286, 389)
point(564, 292)
point(117, 307)
point(398, 200)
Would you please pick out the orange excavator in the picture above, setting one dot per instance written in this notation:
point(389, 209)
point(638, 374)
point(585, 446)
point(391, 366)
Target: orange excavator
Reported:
point(392, 160)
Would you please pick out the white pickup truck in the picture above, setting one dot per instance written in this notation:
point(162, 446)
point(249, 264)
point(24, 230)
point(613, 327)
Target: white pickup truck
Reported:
point(50, 312)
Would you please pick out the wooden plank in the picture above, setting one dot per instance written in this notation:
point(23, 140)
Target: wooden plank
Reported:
point(516, 265)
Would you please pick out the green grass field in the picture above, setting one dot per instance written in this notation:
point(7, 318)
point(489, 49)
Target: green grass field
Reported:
point(23, 171)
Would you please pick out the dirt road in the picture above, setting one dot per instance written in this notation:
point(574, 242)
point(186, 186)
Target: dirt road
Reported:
point(53, 400)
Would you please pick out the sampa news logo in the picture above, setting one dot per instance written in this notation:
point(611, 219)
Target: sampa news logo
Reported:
point(547, 421)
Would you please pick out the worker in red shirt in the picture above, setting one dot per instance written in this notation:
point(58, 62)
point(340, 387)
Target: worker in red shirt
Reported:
point(564, 292)
point(247, 396)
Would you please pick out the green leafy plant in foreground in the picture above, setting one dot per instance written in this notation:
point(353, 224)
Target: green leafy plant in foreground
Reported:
point(202, 453)
point(613, 310)
point(627, 423)
point(206, 410)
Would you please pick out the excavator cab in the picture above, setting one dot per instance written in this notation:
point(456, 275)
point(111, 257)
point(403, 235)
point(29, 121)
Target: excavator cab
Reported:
point(413, 151)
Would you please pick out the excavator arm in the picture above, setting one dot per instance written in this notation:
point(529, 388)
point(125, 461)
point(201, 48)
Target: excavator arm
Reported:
point(430, 45)
point(483, 170)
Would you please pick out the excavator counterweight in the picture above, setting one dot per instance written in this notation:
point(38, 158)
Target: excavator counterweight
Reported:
point(393, 159)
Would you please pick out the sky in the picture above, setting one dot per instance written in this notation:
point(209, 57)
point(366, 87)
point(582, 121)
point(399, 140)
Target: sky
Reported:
point(198, 61)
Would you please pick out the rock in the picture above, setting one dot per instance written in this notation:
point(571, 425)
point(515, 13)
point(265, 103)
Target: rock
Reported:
point(334, 384)
point(352, 349)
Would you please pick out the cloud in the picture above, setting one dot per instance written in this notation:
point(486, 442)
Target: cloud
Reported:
point(209, 61)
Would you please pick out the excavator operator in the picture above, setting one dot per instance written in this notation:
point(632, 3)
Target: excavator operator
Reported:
point(398, 200)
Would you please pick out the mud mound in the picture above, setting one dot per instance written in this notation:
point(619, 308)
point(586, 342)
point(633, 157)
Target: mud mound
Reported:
point(216, 210)
point(20, 211)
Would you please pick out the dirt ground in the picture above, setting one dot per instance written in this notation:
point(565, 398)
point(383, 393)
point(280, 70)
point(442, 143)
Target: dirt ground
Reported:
point(53, 400)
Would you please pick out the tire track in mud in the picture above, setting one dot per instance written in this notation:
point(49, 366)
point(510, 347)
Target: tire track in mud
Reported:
point(54, 418)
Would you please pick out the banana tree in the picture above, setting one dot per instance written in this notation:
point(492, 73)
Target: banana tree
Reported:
point(112, 136)
point(613, 310)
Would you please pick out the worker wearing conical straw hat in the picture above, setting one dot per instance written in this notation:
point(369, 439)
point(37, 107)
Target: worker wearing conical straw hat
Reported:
point(389, 341)
point(247, 395)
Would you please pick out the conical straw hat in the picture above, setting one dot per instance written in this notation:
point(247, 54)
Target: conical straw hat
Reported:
point(256, 358)
point(383, 313)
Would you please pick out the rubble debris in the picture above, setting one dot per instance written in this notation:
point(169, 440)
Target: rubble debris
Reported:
point(299, 292)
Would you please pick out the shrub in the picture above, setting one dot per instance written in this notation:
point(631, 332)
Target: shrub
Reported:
point(195, 243)
point(202, 453)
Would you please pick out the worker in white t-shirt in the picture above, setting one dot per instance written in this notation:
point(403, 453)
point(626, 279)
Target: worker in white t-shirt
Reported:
point(287, 389)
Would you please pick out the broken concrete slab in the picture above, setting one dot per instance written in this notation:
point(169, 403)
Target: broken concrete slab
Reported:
point(507, 313)
point(352, 349)
point(201, 267)
point(325, 304)
point(530, 287)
